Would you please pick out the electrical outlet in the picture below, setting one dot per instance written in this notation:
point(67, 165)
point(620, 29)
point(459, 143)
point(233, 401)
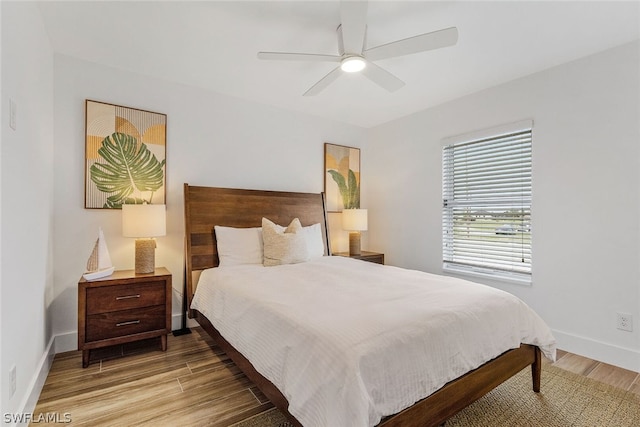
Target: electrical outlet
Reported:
point(12, 381)
point(13, 112)
point(625, 322)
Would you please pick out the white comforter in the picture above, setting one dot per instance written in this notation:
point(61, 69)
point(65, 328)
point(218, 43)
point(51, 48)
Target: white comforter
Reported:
point(348, 342)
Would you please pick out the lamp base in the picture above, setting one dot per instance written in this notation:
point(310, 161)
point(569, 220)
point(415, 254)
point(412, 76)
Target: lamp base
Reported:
point(145, 256)
point(354, 243)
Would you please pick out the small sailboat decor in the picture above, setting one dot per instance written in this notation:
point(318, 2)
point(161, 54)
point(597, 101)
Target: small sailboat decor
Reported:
point(99, 262)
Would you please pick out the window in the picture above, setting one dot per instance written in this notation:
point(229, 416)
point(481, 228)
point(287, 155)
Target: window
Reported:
point(486, 214)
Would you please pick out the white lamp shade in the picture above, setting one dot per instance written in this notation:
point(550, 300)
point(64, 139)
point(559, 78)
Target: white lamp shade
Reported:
point(354, 219)
point(144, 220)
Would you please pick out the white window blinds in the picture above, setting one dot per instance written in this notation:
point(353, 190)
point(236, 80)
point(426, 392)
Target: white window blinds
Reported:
point(487, 204)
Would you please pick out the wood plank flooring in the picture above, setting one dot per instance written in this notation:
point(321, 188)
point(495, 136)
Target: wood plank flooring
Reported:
point(193, 383)
point(603, 372)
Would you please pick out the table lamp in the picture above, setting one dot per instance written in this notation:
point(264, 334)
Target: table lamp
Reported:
point(355, 221)
point(144, 222)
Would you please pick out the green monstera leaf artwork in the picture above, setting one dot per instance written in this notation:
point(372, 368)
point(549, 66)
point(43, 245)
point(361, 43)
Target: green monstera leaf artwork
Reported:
point(349, 189)
point(129, 173)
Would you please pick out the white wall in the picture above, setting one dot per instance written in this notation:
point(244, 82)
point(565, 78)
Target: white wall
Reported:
point(27, 202)
point(212, 140)
point(586, 192)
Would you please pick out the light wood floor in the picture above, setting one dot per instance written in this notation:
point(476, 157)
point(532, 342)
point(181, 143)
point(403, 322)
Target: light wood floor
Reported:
point(609, 374)
point(192, 383)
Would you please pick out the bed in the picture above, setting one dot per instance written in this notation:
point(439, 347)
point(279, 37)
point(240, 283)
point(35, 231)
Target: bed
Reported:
point(206, 207)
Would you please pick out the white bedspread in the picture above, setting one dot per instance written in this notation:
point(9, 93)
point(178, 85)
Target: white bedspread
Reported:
point(348, 342)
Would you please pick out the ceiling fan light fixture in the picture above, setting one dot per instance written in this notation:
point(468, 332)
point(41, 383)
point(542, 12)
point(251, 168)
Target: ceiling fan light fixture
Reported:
point(354, 57)
point(353, 64)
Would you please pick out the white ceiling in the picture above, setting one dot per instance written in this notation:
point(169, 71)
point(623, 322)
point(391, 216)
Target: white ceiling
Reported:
point(213, 45)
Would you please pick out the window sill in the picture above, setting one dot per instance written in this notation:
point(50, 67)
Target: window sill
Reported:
point(515, 278)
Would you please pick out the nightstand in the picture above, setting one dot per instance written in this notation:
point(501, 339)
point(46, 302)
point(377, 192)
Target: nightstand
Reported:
point(123, 307)
point(375, 257)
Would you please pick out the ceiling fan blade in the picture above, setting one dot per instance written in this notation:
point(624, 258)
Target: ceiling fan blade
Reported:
point(353, 15)
point(324, 82)
point(382, 77)
point(421, 43)
point(286, 56)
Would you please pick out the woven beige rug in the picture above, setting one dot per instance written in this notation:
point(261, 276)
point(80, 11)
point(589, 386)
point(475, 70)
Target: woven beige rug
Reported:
point(565, 400)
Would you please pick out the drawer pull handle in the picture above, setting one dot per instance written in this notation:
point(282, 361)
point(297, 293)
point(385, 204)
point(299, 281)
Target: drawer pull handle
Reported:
point(131, 322)
point(128, 297)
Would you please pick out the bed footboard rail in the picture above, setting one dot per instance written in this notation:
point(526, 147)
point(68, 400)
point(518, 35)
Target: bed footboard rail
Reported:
point(460, 393)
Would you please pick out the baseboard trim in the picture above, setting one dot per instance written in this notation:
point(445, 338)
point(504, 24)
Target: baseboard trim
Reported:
point(621, 357)
point(32, 395)
point(66, 342)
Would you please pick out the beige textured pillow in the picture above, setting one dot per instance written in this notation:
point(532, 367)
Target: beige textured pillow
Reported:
point(288, 246)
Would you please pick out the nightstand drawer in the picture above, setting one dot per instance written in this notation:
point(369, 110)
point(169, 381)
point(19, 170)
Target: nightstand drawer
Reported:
point(106, 299)
point(127, 322)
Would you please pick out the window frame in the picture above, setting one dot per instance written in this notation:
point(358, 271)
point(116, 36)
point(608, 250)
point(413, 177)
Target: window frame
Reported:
point(450, 266)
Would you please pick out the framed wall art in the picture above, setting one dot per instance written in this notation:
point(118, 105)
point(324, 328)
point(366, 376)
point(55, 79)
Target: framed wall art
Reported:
point(341, 177)
point(125, 156)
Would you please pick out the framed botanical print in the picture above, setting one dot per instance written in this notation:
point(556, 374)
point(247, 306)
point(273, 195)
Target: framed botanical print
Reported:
point(125, 156)
point(341, 177)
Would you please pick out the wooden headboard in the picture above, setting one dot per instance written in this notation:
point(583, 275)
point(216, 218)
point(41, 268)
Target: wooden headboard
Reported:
point(205, 207)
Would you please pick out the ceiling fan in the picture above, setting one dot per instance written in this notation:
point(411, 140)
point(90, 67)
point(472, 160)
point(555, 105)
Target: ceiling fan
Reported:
point(354, 56)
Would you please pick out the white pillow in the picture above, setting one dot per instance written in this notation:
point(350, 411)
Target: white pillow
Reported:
point(288, 246)
point(237, 246)
point(315, 244)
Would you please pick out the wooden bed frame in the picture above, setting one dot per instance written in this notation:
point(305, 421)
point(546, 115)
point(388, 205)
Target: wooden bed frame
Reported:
point(206, 207)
